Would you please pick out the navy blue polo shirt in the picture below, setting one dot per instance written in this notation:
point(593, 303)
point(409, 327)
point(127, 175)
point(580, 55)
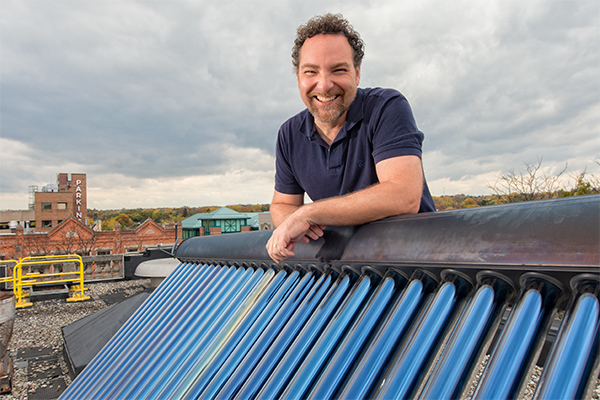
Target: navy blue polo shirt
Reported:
point(379, 125)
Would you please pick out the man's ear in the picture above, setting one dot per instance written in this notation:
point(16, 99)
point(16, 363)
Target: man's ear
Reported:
point(358, 75)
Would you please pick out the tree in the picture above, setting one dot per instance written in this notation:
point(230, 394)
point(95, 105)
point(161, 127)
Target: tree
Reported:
point(108, 225)
point(583, 185)
point(125, 220)
point(137, 217)
point(158, 216)
point(87, 242)
point(469, 203)
point(532, 183)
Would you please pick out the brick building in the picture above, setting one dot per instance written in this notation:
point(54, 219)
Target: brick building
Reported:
point(55, 203)
point(71, 236)
point(56, 224)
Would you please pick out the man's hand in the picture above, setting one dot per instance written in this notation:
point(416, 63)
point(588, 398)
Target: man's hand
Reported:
point(398, 192)
point(296, 228)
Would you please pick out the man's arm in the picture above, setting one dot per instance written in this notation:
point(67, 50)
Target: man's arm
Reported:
point(398, 192)
point(283, 205)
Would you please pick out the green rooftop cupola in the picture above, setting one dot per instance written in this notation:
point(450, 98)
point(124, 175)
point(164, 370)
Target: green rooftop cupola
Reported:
point(230, 221)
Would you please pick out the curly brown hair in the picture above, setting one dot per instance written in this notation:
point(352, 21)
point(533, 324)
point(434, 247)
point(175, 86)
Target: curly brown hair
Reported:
point(332, 24)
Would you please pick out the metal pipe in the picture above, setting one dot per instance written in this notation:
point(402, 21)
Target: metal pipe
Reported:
point(448, 377)
point(251, 378)
point(345, 355)
point(406, 369)
point(366, 375)
point(503, 374)
point(565, 372)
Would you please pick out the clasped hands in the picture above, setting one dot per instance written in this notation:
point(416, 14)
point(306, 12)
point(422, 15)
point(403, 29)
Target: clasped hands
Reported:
point(296, 228)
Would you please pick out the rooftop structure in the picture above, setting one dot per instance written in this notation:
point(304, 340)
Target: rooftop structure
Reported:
point(50, 205)
point(406, 307)
point(222, 220)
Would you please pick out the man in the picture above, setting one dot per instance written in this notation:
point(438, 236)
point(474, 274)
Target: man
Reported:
point(355, 152)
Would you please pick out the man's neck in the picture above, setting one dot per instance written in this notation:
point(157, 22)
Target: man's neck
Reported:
point(329, 131)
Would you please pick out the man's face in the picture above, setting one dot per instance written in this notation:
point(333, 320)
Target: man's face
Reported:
point(327, 78)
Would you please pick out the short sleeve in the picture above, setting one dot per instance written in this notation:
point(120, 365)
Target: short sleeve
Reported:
point(395, 131)
point(285, 181)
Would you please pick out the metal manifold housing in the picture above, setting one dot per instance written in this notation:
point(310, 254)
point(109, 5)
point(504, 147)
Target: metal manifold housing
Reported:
point(495, 302)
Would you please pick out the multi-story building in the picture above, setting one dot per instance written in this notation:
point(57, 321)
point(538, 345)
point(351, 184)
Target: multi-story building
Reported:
point(54, 203)
point(56, 224)
point(103, 251)
point(50, 205)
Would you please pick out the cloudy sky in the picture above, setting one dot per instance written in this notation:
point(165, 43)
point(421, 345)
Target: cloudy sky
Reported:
point(173, 103)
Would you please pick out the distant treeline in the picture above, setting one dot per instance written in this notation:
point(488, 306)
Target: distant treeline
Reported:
point(531, 183)
point(130, 218)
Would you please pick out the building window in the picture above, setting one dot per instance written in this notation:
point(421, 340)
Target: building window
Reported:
point(46, 224)
point(230, 225)
point(61, 206)
point(46, 206)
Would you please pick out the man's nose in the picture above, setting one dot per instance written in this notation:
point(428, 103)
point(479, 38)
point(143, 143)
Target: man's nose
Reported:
point(325, 83)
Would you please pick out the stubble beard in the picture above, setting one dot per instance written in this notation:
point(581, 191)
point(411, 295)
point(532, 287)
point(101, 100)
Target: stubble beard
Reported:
point(327, 114)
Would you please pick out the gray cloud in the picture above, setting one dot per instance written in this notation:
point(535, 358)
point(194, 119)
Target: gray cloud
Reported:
point(166, 90)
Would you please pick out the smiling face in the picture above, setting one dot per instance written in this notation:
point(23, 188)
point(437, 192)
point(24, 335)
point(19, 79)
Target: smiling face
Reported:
point(327, 78)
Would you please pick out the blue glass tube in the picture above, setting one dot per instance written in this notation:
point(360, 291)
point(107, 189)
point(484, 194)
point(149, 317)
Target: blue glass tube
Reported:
point(239, 343)
point(303, 343)
point(234, 373)
point(322, 349)
point(365, 376)
point(142, 350)
point(406, 369)
point(198, 360)
point(450, 372)
point(565, 369)
point(107, 356)
point(202, 313)
point(86, 377)
point(202, 333)
point(324, 296)
point(502, 375)
point(345, 355)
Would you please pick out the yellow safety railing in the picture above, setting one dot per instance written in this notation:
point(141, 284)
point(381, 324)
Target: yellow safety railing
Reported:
point(10, 279)
point(35, 278)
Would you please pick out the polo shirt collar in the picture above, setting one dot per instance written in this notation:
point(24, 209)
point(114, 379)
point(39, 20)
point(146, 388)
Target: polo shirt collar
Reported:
point(355, 115)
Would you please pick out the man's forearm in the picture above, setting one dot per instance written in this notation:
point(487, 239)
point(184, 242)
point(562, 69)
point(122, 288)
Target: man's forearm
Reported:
point(376, 202)
point(399, 192)
point(308, 221)
point(280, 211)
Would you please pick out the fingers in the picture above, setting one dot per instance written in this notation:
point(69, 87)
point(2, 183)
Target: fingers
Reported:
point(315, 232)
point(277, 251)
point(283, 240)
